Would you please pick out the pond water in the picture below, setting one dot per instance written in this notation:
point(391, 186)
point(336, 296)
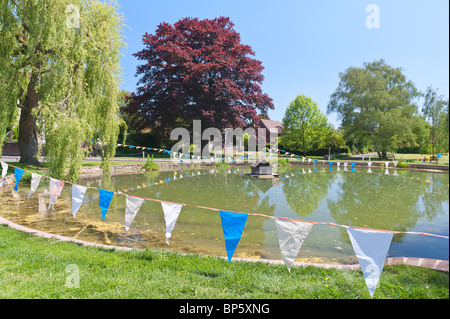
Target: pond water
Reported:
point(401, 200)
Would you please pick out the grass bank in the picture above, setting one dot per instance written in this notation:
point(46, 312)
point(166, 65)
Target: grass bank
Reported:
point(34, 267)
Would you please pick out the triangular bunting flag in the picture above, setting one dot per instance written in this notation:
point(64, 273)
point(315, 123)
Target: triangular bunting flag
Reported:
point(232, 225)
point(35, 180)
point(18, 175)
point(104, 201)
point(371, 248)
point(77, 198)
point(132, 207)
point(290, 237)
point(55, 188)
point(4, 171)
point(171, 213)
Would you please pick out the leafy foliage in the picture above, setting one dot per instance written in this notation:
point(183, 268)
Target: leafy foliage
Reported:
point(434, 110)
point(150, 165)
point(305, 128)
point(63, 78)
point(197, 69)
point(376, 105)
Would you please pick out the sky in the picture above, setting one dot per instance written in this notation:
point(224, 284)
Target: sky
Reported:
point(304, 45)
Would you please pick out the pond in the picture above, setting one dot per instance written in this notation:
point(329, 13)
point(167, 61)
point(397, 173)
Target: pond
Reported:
point(397, 200)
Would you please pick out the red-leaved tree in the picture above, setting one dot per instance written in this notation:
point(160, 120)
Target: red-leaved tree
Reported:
point(197, 69)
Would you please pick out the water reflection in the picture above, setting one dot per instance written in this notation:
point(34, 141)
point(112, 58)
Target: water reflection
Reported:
point(401, 201)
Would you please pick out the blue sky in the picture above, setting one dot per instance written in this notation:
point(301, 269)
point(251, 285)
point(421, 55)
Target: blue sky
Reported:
point(303, 45)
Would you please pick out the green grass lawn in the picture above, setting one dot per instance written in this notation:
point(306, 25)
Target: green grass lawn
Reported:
point(34, 267)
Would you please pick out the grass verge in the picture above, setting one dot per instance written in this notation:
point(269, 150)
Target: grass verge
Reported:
point(34, 267)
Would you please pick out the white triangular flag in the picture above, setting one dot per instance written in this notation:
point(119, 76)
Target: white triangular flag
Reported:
point(77, 198)
point(171, 213)
point(132, 206)
point(35, 180)
point(4, 171)
point(290, 237)
point(386, 164)
point(371, 248)
point(55, 188)
point(369, 164)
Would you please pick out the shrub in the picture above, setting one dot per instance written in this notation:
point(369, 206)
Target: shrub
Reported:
point(222, 164)
point(280, 161)
point(150, 165)
point(402, 164)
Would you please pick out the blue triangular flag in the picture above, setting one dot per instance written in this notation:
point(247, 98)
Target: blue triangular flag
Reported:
point(18, 175)
point(104, 200)
point(232, 224)
point(315, 162)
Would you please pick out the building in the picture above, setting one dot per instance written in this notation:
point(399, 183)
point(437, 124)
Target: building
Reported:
point(273, 130)
point(261, 167)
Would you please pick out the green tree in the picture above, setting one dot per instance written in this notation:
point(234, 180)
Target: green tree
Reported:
point(375, 104)
point(434, 111)
point(421, 129)
point(60, 73)
point(305, 127)
point(335, 140)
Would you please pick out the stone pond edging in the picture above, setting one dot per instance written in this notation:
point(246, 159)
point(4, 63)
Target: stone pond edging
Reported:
point(436, 264)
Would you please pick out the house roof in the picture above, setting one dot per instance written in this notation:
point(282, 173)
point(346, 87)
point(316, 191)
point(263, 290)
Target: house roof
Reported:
point(260, 162)
point(272, 126)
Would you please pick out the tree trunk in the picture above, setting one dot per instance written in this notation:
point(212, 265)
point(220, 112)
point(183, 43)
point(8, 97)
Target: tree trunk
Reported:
point(28, 144)
point(382, 155)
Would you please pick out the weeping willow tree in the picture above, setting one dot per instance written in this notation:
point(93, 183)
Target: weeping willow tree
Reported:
point(59, 77)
